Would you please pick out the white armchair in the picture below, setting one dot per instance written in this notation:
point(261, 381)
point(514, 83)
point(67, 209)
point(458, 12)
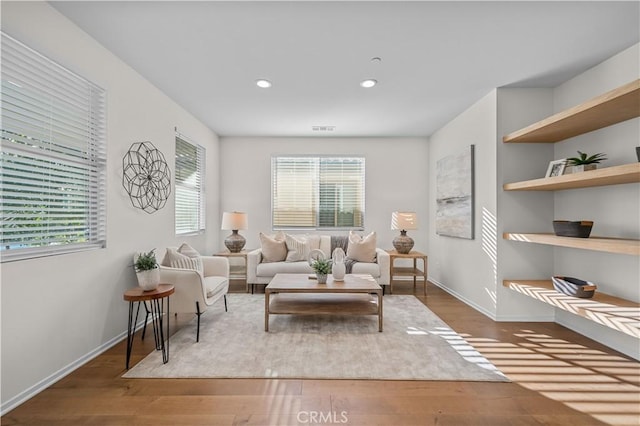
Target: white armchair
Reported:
point(195, 291)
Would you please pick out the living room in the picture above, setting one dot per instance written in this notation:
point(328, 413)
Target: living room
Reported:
point(60, 312)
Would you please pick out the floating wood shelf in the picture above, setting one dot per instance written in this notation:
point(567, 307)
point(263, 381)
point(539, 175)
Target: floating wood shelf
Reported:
point(609, 245)
point(626, 173)
point(620, 314)
point(613, 107)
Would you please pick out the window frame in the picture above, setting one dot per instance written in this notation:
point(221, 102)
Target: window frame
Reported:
point(200, 167)
point(54, 152)
point(317, 192)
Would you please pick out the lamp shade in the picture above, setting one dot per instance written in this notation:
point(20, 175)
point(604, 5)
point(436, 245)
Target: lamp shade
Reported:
point(234, 221)
point(404, 220)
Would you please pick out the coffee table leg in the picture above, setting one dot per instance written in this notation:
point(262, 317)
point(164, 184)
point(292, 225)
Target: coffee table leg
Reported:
point(380, 311)
point(266, 310)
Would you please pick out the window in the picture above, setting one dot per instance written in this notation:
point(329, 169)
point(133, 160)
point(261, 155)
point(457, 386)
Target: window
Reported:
point(317, 192)
point(189, 187)
point(53, 157)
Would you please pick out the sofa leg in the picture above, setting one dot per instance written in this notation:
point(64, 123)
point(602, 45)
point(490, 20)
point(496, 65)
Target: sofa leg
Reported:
point(225, 303)
point(198, 313)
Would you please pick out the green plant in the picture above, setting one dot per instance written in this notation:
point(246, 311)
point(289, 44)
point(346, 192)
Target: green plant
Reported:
point(321, 266)
point(585, 159)
point(146, 261)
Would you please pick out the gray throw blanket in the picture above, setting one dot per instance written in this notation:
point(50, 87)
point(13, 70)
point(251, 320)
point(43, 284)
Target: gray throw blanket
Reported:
point(342, 241)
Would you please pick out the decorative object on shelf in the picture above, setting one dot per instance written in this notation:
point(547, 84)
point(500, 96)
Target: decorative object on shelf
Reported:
point(454, 194)
point(234, 221)
point(338, 268)
point(579, 229)
point(322, 267)
point(638, 152)
point(574, 287)
point(146, 177)
point(556, 168)
point(403, 221)
point(584, 162)
point(147, 270)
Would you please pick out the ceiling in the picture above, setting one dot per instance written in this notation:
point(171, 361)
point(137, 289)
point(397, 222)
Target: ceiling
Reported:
point(437, 58)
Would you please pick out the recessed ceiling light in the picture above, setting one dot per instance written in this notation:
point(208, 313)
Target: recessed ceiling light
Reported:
point(263, 84)
point(368, 83)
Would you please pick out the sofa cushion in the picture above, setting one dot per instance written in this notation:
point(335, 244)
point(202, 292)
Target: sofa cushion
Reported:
point(274, 248)
point(366, 268)
point(362, 249)
point(298, 248)
point(273, 268)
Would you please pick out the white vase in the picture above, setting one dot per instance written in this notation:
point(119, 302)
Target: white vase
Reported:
point(579, 169)
point(338, 268)
point(148, 280)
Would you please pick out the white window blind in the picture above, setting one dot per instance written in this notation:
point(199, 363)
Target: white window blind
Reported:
point(53, 157)
point(190, 160)
point(317, 192)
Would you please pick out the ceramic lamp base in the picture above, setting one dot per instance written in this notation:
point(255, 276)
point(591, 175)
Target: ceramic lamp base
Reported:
point(403, 243)
point(235, 242)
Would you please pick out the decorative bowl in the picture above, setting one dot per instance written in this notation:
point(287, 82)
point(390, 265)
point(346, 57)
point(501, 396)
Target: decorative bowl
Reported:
point(566, 228)
point(574, 287)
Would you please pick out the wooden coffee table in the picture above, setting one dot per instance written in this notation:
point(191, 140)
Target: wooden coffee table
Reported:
point(297, 294)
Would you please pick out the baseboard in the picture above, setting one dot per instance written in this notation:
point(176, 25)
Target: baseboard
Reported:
point(462, 299)
point(61, 373)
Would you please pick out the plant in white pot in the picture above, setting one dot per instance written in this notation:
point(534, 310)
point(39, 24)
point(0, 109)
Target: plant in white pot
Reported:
point(322, 267)
point(584, 162)
point(147, 270)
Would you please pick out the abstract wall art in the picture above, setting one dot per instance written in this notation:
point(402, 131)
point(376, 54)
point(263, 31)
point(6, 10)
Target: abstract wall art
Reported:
point(454, 194)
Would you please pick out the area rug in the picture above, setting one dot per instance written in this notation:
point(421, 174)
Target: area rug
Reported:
point(415, 345)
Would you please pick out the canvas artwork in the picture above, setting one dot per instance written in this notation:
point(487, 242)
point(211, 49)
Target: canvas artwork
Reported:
point(454, 195)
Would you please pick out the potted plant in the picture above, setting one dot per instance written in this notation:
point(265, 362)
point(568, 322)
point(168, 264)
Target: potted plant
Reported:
point(584, 162)
point(147, 270)
point(322, 267)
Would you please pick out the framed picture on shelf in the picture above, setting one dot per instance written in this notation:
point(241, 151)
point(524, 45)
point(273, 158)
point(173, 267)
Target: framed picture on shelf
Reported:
point(556, 168)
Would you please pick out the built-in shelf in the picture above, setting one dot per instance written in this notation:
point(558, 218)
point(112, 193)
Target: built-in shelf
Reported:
point(613, 107)
point(614, 312)
point(626, 173)
point(609, 245)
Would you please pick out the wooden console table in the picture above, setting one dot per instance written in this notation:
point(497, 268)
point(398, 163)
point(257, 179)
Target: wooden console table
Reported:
point(156, 301)
point(408, 271)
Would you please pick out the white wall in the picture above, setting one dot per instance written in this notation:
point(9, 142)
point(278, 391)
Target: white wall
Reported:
point(396, 179)
point(60, 311)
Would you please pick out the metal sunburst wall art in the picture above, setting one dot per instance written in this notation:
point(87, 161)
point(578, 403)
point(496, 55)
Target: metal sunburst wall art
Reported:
point(146, 177)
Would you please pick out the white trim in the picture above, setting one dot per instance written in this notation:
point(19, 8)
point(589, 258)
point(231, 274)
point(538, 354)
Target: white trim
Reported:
point(64, 371)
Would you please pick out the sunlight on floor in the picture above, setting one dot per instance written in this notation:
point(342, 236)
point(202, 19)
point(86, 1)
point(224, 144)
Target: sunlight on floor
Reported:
point(605, 386)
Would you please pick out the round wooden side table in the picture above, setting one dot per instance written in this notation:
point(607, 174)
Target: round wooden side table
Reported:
point(156, 299)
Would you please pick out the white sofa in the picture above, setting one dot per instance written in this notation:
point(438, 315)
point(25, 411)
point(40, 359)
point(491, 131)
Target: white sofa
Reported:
point(259, 272)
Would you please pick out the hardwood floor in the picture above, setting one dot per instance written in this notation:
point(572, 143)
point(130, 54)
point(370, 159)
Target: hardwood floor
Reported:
point(558, 378)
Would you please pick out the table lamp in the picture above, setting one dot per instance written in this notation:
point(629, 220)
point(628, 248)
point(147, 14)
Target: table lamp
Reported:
point(234, 221)
point(403, 221)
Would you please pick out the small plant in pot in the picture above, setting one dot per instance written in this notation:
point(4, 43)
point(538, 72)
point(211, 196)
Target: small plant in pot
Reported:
point(322, 267)
point(584, 162)
point(147, 270)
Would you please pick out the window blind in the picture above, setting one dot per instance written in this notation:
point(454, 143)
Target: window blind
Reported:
point(317, 192)
point(190, 210)
point(53, 157)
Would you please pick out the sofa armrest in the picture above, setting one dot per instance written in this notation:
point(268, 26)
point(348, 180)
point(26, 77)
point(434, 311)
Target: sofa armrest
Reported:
point(384, 262)
point(189, 288)
point(254, 257)
point(217, 266)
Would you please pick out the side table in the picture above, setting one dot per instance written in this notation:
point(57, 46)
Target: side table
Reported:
point(241, 255)
point(156, 300)
point(408, 271)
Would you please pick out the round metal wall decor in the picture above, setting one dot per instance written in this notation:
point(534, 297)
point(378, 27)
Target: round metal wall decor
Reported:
point(146, 177)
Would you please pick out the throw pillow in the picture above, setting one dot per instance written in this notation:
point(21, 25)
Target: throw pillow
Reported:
point(274, 248)
point(297, 248)
point(192, 253)
point(362, 249)
point(174, 259)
